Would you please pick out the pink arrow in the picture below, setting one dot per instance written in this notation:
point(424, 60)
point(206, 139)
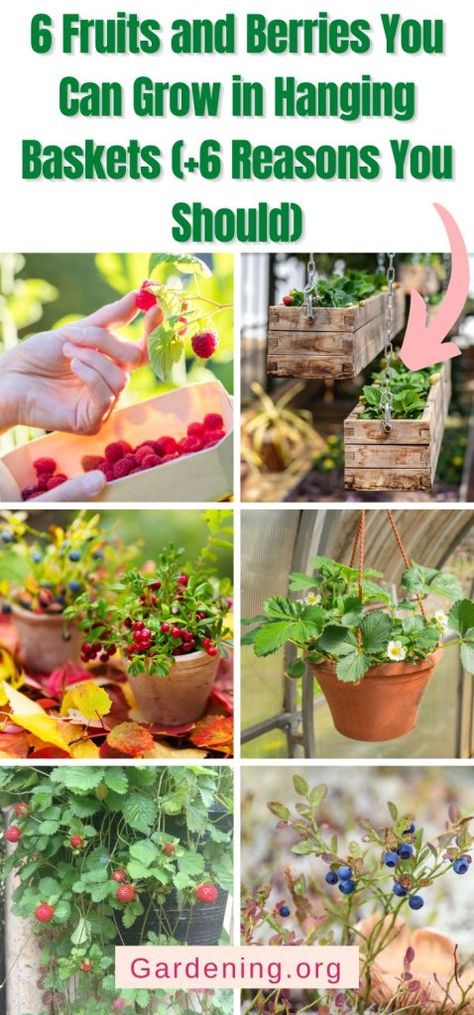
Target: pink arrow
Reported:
point(423, 343)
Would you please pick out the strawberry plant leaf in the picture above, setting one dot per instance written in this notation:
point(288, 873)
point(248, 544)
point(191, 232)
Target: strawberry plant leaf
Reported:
point(139, 812)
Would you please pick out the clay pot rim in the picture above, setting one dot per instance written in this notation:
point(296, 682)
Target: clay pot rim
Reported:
point(38, 618)
point(180, 660)
point(395, 669)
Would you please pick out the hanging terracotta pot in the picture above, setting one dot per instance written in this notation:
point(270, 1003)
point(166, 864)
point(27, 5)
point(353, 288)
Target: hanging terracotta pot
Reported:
point(383, 705)
point(46, 640)
point(182, 695)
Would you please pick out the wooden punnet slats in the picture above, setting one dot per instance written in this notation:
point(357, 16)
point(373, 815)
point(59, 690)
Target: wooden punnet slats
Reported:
point(405, 458)
point(337, 344)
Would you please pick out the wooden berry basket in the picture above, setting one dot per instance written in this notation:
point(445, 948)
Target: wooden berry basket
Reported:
point(421, 277)
point(405, 458)
point(336, 345)
point(203, 476)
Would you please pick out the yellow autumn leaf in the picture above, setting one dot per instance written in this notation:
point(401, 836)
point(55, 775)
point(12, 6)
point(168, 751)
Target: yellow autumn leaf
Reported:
point(85, 749)
point(88, 699)
point(44, 727)
point(19, 702)
point(161, 750)
point(9, 669)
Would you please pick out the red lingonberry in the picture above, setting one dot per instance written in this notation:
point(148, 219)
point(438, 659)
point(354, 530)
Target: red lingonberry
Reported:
point(207, 892)
point(169, 848)
point(178, 651)
point(21, 809)
point(213, 421)
point(119, 875)
point(176, 632)
point(44, 912)
point(145, 300)
point(138, 625)
point(44, 465)
point(112, 650)
point(104, 657)
point(204, 344)
point(124, 466)
point(189, 645)
point(188, 636)
point(288, 301)
point(165, 446)
point(155, 586)
point(165, 628)
point(117, 450)
point(125, 893)
point(90, 462)
point(183, 579)
point(189, 445)
point(128, 623)
point(150, 461)
point(54, 481)
point(76, 841)
point(86, 965)
point(195, 430)
point(14, 834)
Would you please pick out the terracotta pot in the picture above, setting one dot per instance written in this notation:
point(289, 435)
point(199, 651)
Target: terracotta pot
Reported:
point(182, 695)
point(384, 705)
point(46, 640)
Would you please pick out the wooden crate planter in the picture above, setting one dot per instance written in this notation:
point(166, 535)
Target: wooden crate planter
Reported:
point(421, 277)
point(336, 345)
point(204, 476)
point(405, 458)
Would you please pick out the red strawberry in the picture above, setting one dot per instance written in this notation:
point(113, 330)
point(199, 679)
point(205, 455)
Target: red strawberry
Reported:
point(125, 893)
point(119, 875)
point(117, 450)
point(169, 848)
point(21, 808)
point(204, 344)
point(288, 301)
point(86, 965)
point(195, 430)
point(90, 462)
point(207, 892)
point(150, 461)
point(14, 834)
point(42, 465)
point(76, 841)
point(213, 421)
point(118, 1004)
point(44, 913)
point(165, 446)
point(145, 300)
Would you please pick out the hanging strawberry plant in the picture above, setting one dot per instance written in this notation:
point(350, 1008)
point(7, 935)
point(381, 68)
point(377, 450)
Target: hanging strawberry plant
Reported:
point(146, 835)
point(368, 653)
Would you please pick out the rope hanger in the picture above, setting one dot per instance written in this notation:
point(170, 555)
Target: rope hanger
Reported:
point(359, 545)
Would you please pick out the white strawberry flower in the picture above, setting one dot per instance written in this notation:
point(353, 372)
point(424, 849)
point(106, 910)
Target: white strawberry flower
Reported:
point(396, 651)
point(312, 599)
point(441, 619)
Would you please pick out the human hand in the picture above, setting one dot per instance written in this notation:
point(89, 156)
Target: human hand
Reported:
point(69, 379)
point(87, 486)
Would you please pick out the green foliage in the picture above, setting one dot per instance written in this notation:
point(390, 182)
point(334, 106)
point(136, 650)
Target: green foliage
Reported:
point(129, 829)
point(409, 390)
point(333, 622)
point(342, 290)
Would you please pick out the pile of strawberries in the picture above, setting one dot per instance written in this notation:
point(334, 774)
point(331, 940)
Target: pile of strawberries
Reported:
point(121, 459)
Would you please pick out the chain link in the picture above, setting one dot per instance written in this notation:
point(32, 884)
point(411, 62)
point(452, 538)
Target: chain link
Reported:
point(386, 401)
point(308, 289)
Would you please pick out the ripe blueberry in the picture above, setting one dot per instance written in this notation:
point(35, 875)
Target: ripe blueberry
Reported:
point(390, 858)
point(344, 873)
point(405, 851)
point(74, 555)
point(399, 890)
point(416, 902)
point(347, 887)
point(284, 911)
point(461, 865)
point(332, 878)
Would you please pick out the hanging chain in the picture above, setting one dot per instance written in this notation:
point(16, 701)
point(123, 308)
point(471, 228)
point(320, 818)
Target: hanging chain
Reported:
point(386, 401)
point(308, 289)
point(380, 264)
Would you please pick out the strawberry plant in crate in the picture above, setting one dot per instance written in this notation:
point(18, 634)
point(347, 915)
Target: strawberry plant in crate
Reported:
point(97, 859)
point(363, 891)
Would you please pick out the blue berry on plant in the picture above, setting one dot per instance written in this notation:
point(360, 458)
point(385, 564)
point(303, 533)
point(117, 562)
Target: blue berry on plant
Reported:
point(284, 911)
point(332, 878)
point(416, 902)
point(461, 865)
point(390, 858)
point(405, 851)
point(344, 873)
point(74, 555)
point(347, 887)
point(7, 537)
point(399, 890)
point(411, 828)
point(75, 586)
